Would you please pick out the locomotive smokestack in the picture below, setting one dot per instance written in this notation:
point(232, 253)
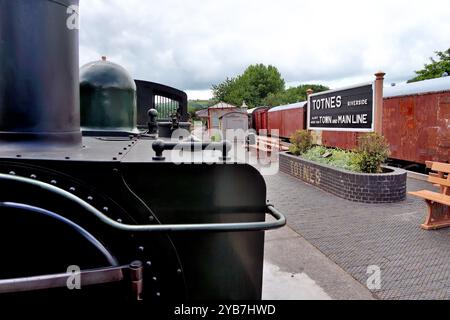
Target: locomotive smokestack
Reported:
point(39, 70)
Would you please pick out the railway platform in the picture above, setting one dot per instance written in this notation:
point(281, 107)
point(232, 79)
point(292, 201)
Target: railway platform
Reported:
point(347, 237)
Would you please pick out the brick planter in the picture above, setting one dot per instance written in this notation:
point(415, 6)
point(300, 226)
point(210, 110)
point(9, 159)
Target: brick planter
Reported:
point(387, 187)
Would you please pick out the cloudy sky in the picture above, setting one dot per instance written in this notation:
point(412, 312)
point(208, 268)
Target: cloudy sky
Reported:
point(192, 44)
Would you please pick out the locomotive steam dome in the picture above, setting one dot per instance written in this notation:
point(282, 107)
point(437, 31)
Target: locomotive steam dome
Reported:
point(108, 98)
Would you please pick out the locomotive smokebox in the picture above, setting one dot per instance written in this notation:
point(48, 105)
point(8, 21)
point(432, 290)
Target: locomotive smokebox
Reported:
point(39, 79)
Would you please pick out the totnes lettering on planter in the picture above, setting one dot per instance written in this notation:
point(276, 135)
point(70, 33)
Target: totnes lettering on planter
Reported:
point(388, 187)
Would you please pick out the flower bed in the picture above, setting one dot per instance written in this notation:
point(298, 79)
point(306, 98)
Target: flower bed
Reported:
point(387, 187)
point(343, 159)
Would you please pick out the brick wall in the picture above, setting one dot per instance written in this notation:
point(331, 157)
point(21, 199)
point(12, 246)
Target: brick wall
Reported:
point(368, 188)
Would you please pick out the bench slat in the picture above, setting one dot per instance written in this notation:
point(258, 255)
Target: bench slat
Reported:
point(439, 166)
point(439, 181)
point(432, 196)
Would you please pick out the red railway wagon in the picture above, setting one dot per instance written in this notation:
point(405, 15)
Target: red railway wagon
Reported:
point(258, 117)
point(287, 119)
point(416, 120)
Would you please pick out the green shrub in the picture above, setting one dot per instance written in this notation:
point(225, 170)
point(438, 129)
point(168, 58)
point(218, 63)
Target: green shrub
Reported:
point(334, 157)
point(301, 142)
point(373, 151)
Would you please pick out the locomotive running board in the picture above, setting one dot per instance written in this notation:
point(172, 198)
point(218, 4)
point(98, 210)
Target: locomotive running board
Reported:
point(132, 272)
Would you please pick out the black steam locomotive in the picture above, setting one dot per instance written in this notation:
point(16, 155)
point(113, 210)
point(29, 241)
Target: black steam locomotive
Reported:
point(103, 209)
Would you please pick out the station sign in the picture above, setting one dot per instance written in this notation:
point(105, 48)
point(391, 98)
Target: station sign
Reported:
point(347, 109)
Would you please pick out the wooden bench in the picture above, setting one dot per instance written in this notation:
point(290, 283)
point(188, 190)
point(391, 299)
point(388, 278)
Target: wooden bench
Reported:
point(268, 145)
point(438, 202)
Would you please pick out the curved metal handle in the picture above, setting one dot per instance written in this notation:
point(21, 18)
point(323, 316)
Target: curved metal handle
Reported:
point(207, 227)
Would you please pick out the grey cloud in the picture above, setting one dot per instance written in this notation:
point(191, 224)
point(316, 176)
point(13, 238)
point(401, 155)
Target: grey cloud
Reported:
point(193, 44)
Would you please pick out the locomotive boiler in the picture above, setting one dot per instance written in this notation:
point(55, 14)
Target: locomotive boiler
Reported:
point(93, 199)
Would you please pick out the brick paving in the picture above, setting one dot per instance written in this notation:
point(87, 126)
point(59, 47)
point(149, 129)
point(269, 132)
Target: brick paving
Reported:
point(415, 264)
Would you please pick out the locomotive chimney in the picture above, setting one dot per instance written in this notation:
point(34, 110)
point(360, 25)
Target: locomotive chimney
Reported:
point(39, 70)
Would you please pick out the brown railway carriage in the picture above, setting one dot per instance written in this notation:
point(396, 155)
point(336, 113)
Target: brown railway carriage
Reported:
point(258, 118)
point(287, 119)
point(417, 125)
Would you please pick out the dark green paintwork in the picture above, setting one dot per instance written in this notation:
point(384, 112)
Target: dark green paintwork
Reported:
point(108, 98)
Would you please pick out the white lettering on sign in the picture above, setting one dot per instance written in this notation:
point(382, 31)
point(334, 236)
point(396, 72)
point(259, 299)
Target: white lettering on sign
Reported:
point(353, 119)
point(354, 103)
point(327, 103)
point(326, 119)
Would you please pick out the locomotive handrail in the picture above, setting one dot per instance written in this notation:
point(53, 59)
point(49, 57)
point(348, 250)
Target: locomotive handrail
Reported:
point(280, 219)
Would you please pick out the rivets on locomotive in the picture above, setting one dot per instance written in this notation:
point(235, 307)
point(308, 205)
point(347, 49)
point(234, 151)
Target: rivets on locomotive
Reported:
point(12, 173)
point(90, 198)
point(119, 220)
point(106, 209)
point(155, 279)
point(151, 218)
point(54, 182)
point(148, 263)
point(158, 294)
point(141, 249)
point(33, 176)
point(72, 189)
point(179, 272)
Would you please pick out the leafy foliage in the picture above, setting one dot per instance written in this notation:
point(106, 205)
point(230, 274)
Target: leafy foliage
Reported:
point(253, 86)
point(222, 90)
point(199, 104)
point(335, 157)
point(373, 150)
point(292, 95)
point(436, 68)
point(261, 85)
point(301, 142)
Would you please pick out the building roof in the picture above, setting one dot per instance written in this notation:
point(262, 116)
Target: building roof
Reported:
point(202, 113)
point(238, 113)
point(222, 105)
point(251, 111)
point(415, 88)
point(297, 105)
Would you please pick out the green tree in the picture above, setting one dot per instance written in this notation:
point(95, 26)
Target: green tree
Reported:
point(436, 68)
point(292, 95)
point(221, 90)
point(253, 86)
